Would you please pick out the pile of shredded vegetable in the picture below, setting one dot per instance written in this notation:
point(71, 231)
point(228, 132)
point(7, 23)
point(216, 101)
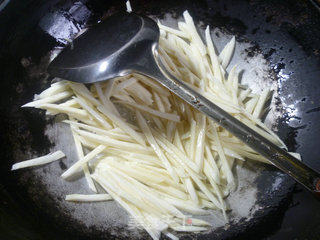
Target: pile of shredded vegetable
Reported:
point(169, 161)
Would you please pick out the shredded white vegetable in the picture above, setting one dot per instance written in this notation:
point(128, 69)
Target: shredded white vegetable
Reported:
point(50, 99)
point(168, 116)
point(128, 5)
point(88, 197)
point(80, 154)
point(51, 157)
point(226, 54)
point(82, 161)
point(160, 159)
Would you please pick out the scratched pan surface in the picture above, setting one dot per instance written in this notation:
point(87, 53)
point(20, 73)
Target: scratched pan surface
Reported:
point(277, 46)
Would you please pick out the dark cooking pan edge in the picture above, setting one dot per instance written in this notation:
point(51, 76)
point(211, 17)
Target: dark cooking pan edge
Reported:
point(30, 131)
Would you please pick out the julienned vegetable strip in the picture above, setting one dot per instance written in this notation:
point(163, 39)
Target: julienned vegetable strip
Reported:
point(159, 158)
point(39, 161)
point(80, 154)
point(82, 161)
point(88, 197)
point(147, 132)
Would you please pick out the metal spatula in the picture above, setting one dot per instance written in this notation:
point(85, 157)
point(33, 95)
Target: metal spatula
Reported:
point(126, 43)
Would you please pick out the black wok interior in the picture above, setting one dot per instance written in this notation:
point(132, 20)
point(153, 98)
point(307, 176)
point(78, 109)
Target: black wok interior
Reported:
point(286, 32)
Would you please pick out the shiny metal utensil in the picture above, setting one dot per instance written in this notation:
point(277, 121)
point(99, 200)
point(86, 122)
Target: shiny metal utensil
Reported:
point(126, 43)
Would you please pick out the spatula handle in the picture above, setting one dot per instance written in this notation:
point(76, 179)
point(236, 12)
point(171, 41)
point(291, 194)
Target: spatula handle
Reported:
point(276, 155)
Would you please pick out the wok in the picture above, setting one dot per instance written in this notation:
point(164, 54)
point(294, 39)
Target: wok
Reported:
point(282, 34)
